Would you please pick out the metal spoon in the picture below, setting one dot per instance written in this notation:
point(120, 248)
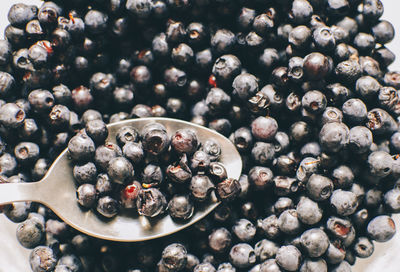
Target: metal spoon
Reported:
point(57, 191)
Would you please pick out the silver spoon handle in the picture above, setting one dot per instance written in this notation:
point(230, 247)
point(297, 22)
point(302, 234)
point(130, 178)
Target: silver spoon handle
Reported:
point(15, 192)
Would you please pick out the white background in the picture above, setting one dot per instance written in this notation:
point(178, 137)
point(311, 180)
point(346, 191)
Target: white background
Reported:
point(14, 258)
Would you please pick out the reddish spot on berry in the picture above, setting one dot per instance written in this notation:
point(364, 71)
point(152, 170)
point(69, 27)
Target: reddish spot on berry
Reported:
point(48, 48)
point(212, 81)
point(131, 191)
point(71, 17)
point(341, 229)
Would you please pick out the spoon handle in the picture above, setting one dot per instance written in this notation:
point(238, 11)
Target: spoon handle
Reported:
point(15, 192)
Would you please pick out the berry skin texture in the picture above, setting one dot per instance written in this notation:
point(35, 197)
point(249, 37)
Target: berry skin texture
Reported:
point(184, 141)
point(174, 256)
point(264, 128)
point(381, 229)
point(30, 233)
point(344, 202)
point(242, 255)
point(81, 147)
point(42, 259)
point(288, 257)
point(334, 136)
point(380, 164)
point(315, 242)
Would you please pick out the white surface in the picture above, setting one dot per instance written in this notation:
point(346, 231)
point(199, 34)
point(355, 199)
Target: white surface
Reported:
point(14, 258)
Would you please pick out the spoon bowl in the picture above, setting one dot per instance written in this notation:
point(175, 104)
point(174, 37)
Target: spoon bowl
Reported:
point(57, 190)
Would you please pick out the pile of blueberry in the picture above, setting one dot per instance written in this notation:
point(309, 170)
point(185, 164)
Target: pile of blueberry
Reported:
point(301, 87)
point(149, 172)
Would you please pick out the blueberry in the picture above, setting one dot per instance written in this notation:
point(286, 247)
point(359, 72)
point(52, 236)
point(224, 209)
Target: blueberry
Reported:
point(105, 153)
point(200, 161)
point(263, 153)
point(95, 21)
point(85, 173)
point(311, 265)
point(20, 14)
point(344, 202)
point(360, 139)
point(151, 202)
point(82, 98)
point(311, 149)
point(354, 111)
point(155, 141)
point(175, 78)
point(315, 242)
point(300, 37)
point(107, 206)
point(5, 52)
point(379, 122)
point(7, 82)
point(174, 256)
point(372, 9)
point(217, 100)
point(184, 141)
point(212, 148)
point(129, 195)
point(17, 211)
point(381, 228)
point(244, 230)
point(364, 42)
point(86, 195)
point(204, 267)
point(316, 66)
point(299, 131)
point(41, 100)
point(269, 265)
point(30, 233)
point(192, 261)
point(228, 189)
point(42, 258)
point(81, 147)
point(152, 176)
point(288, 258)
point(260, 177)
point(59, 117)
point(391, 199)
point(120, 170)
point(348, 70)
point(26, 152)
point(226, 68)
point(246, 18)
point(180, 207)
point(221, 125)
point(242, 255)
point(383, 32)
point(200, 187)
point(133, 152)
point(301, 11)
point(265, 249)
point(342, 267)
point(363, 247)
point(380, 164)
point(219, 240)
point(319, 187)
point(308, 211)
point(71, 261)
point(245, 85)
point(334, 136)
point(226, 267)
point(289, 222)
point(11, 116)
